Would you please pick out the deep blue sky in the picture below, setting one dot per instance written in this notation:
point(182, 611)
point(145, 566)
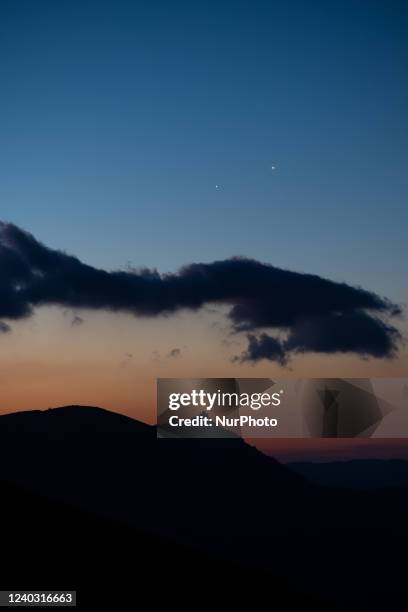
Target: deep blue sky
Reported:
point(118, 119)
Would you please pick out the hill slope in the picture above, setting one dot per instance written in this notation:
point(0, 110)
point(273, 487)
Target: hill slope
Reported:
point(219, 497)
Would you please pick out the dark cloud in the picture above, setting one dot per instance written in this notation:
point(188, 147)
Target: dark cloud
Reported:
point(353, 332)
point(315, 313)
point(350, 332)
point(264, 347)
point(176, 352)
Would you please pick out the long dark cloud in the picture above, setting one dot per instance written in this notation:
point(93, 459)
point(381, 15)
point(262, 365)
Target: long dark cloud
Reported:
point(314, 314)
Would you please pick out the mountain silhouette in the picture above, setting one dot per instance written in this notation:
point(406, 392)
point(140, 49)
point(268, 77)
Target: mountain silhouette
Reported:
point(104, 460)
point(212, 510)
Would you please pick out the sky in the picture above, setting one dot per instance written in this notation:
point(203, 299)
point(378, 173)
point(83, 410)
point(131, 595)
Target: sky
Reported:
point(145, 134)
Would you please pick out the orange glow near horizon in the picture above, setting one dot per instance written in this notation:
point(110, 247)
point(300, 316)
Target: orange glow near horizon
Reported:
point(113, 360)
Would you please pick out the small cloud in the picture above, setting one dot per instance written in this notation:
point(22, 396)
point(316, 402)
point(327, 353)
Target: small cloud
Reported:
point(126, 361)
point(229, 343)
point(4, 328)
point(76, 321)
point(174, 353)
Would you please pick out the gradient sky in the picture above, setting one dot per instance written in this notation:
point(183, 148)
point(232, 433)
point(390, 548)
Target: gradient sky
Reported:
point(117, 121)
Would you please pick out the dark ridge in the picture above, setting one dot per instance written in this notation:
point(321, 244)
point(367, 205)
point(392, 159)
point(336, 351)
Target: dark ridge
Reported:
point(72, 416)
point(355, 474)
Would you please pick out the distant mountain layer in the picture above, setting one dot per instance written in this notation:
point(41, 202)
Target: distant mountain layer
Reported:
point(357, 474)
